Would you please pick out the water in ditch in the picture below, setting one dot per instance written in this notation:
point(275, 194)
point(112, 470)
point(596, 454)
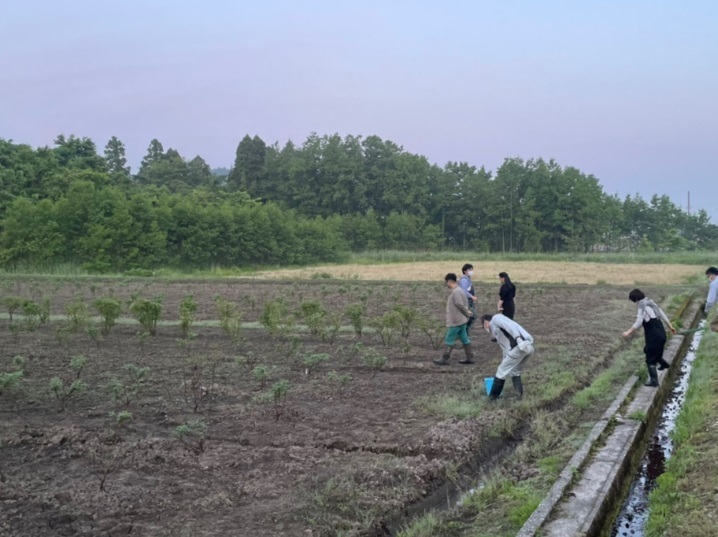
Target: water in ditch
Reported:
point(634, 512)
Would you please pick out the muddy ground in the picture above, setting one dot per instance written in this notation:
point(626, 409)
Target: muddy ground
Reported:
point(349, 447)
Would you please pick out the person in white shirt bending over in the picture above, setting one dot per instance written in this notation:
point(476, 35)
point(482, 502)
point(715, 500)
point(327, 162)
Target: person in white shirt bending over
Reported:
point(517, 346)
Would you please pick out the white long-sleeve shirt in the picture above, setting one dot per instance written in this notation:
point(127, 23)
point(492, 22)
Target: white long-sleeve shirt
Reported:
point(516, 331)
point(712, 295)
point(647, 310)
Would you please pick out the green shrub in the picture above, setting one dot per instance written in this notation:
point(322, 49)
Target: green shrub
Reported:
point(122, 417)
point(229, 319)
point(126, 390)
point(10, 381)
point(276, 318)
point(45, 310)
point(435, 331)
point(191, 435)
point(64, 391)
point(342, 381)
point(12, 303)
point(261, 374)
point(314, 315)
point(355, 313)
point(77, 316)
point(406, 320)
point(77, 364)
point(31, 310)
point(19, 362)
point(188, 309)
point(313, 360)
point(374, 360)
point(386, 326)
point(110, 310)
point(147, 313)
point(277, 397)
point(248, 360)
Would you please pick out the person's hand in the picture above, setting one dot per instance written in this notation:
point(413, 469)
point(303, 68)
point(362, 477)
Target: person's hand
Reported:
point(627, 333)
point(673, 330)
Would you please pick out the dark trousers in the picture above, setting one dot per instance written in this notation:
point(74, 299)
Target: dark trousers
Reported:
point(472, 320)
point(655, 342)
point(508, 308)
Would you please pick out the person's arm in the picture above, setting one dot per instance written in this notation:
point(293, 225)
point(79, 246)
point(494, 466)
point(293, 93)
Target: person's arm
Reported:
point(637, 324)
point(663, 316)
point(461, 306)
point(465, 285)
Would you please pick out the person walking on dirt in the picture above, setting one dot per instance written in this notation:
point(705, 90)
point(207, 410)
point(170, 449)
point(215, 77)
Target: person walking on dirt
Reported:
point(467, 271)
point(712, 298)
point(457, 313)
point(650, 315)
point(517, 346)
point(507, 292)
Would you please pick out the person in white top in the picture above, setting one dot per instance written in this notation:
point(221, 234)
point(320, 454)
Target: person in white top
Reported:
point(517, 346)
point(712, 274)
point(650, 316)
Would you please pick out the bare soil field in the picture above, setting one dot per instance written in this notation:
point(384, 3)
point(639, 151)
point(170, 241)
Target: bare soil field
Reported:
point(520, 271)
point(285, 432)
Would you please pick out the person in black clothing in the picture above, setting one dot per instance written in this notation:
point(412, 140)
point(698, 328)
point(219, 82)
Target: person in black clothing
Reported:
point(650, 316)
point(506, 296)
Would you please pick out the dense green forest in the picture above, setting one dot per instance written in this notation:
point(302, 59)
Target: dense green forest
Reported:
point(316, 202)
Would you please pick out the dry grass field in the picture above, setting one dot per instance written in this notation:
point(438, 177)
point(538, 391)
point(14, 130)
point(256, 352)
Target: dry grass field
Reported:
point(520, 271)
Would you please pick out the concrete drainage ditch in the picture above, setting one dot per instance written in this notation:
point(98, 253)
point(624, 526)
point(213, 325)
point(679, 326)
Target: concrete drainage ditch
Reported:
point(590, 490)
point(634, 511)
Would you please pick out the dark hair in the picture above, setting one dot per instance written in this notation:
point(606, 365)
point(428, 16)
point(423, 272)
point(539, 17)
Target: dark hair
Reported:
point(450, 277)
point(486, 317)
point(467, 266)
point(505, 276)
point(636, 295)
point(712, 270)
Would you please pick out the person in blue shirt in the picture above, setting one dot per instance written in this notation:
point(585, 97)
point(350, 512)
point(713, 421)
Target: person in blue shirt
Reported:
point(467, 271)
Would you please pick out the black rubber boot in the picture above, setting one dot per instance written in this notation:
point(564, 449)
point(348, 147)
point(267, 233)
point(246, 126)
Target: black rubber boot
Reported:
point(518, 387)
point(496, 388)
point(469, 355)
point(444, 360)
point(652, 376)
point(662, 364)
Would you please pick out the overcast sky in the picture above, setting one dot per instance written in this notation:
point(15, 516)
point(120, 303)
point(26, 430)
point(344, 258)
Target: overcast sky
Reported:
point(624, 90)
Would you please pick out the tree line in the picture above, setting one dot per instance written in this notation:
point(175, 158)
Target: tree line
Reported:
point(301, 204)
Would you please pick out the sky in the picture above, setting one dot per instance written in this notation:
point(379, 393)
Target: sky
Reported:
point(624, 90)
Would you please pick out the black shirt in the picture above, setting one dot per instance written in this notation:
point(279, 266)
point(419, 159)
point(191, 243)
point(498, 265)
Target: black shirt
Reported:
point(507, 292)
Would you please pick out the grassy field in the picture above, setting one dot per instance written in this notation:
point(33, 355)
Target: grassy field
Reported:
point(564, 272)
point(526, 267)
